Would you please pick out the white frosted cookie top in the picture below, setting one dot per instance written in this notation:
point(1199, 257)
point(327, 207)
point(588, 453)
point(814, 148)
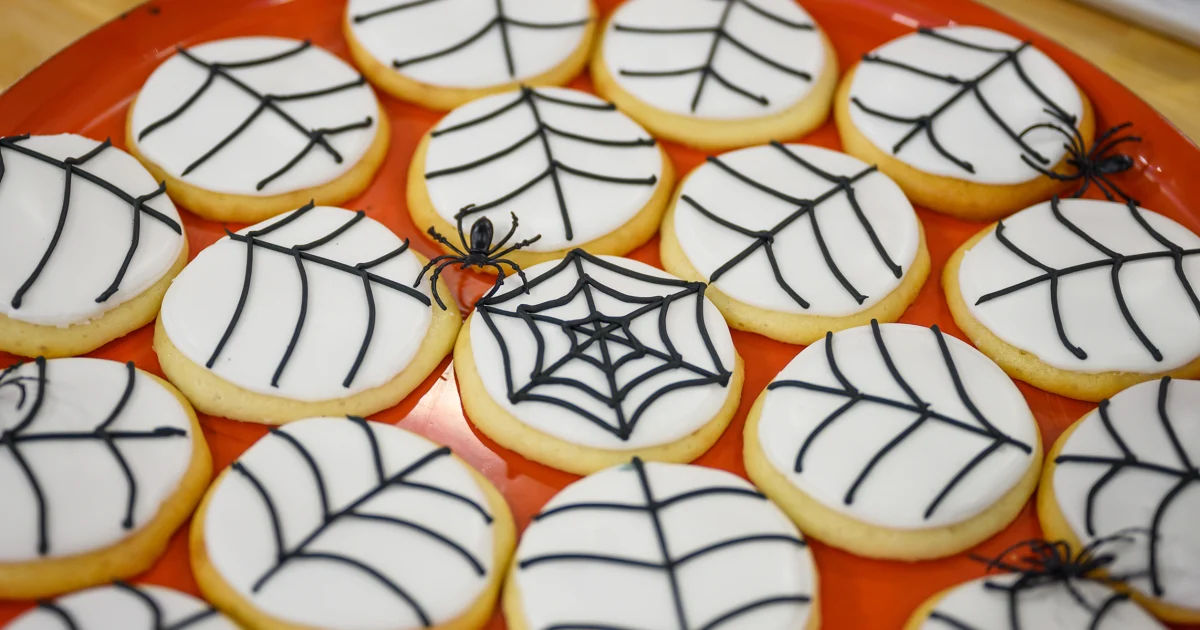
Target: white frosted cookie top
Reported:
point(123, 607)
point(89, 452)
point(1043, 281)
point(1132, 469)
point(315, 304)
point(978, 88)
point(777, 227)
point(983, 604)
point(469, 43)
point(721, 59)
point(74, 247)
point(604, 352)
point(344, 523)
point(661, 546)
point(898, 426)
point(569, 165)
point(255, 116)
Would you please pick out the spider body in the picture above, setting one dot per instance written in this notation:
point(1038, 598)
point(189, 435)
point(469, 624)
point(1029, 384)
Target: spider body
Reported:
point(1092, 165)
point(476, 251)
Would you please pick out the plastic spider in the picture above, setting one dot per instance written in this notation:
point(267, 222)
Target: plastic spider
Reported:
point(16, 382)
point(1092, 166)
point(1049, 562)
point(478, 251)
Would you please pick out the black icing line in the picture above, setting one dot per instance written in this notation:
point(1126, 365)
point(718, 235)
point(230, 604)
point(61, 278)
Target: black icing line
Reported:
point(1185, 473)
point(266, 103)
point(1110, 258)
point(719, 34)
point(671, 565)
point(500, 21)
point(529, 99)
point(925, 123)
point(301, 551)
point(156, 612)
point(765, 239)
point(302, 253)
point(978, 424)
point(603, 331)
point(72, 167)
point(18, 435)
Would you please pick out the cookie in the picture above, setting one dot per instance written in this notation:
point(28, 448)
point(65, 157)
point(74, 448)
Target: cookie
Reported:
point(894, 441)
point(558, 165)
point(1081, 298)
point(443, 53)
point(100, 463)
point(90, 243)
point(123, 607)
point(1032, 600)
point(595, 360)
point(651, 545)
point(344, 523)
point(243, 129)
point(796, 241)
point(958, 116)
point(717, 75)
point(318, 311)
point(1128, 473)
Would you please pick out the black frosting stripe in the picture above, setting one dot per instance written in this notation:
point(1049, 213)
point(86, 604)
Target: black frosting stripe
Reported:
point(59, 612)
point(529, 99)
point(719, 34)
point(602, 330)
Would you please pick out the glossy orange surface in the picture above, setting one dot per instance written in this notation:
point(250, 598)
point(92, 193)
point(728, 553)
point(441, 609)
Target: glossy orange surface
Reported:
point(87, 88)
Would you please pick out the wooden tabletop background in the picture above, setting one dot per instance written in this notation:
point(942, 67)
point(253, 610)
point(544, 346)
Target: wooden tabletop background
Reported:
point(1162, 71)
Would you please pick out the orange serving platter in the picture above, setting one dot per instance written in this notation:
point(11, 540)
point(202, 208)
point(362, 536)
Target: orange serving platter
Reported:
point(87, 88)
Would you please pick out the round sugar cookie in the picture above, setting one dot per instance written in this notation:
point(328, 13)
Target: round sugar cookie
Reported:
point(245, 128)
point(100, 463)
point(1081, 298)
point(343, 523)
point(567, 167)
point(317, 311)
point(652, 545)
point(949, 113)
point(123, 606)
point(598, 359)
point(1130, 471)
point(89, 244)
point(796, 241)
point(1037, 604)
point(443, 53)
point(894, 441)
point(717, 75)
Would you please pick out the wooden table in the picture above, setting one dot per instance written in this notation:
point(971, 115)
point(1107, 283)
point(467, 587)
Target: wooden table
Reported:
point(1163, 72)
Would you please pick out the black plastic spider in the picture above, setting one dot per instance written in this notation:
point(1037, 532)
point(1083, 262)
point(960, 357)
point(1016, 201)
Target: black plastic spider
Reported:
point(1049, 562)
point(16, 382)
point(1092, 166)
point(479, 252)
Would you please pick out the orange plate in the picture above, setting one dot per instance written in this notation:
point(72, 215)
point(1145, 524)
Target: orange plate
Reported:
point(87, 88)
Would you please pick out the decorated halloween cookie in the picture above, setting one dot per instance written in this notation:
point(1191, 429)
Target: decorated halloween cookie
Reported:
point(123, 606)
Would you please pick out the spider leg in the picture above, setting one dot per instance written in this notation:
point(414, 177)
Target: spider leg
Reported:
point(444, 241)
point(524, 280)
point(1102, 138)
point(499, 280)
point(459, 216)
point(429, 265)
point(433, 280)
point(512, 230)
point(1087, 183)
point(1101, 177)
point(1055, 175)
point(525, 243)
point(1099, 151)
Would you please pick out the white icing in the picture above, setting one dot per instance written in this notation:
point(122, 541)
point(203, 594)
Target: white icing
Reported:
point(710, 245)
point(1089, 309)
point(433, 26)
point(201, 302)
point(1127, 503)
point(321, 593)
point(269, 142)
point(85, 490)
point(116, 608)
point(964, 129)
point(801, 50)
point(904, 483)
point(668, 418)
point(595, 208)
point(576, 593)
point(1049, 606)
point(95, 237)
